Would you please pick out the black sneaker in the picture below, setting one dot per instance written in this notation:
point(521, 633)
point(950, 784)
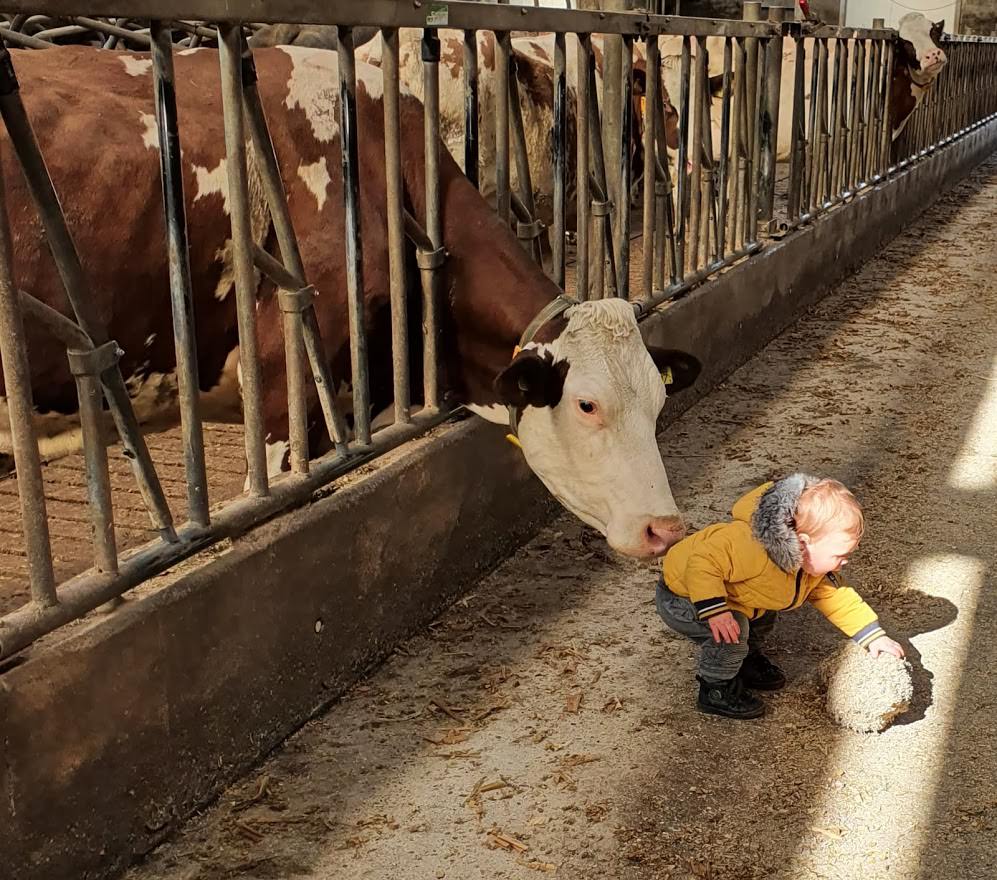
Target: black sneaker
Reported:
point(761, 674)
point(728, 698)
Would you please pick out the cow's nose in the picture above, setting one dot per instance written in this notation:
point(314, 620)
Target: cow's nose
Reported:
point(661, 532)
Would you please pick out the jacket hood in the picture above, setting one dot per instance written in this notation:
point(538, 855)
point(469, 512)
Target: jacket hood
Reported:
point(771, 510)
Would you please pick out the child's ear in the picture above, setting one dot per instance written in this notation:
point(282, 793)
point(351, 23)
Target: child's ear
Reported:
point(804, 539)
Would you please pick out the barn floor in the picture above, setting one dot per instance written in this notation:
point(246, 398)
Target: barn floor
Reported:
point(546, 723)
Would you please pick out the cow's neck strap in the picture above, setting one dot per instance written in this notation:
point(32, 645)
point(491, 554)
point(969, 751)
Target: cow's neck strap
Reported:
point(554, 309)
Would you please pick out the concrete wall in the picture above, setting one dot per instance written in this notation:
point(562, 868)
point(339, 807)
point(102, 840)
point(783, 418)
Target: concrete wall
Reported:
point(114, 735)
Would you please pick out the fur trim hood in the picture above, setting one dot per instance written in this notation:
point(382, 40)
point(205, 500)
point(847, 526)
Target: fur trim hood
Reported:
point(770, 510)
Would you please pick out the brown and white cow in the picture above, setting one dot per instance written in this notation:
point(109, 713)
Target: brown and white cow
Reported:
point(533, 56)
point(588, 391)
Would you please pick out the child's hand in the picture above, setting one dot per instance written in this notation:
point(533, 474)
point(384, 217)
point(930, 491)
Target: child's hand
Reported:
point(886, 645)
point(725, 628)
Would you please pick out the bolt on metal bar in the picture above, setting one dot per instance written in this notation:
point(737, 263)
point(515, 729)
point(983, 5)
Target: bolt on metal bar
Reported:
point(624, 170)
point(560, 159)
point(503, 51)
point(17, 385)
point(582, 193)
point(430, 262)
point(396, 227)
point(70, 270)
point(86, 366)
point(354, 243)
point(652, 100)
point(182, 300)
point(229, 58)
point(471, 106)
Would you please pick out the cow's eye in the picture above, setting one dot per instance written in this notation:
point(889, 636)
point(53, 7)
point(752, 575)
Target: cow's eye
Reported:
point(587, 407)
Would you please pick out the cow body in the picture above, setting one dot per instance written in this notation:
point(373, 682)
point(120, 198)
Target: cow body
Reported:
point(92, 113)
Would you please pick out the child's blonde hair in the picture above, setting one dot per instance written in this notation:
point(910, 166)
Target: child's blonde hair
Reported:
point(828, 505)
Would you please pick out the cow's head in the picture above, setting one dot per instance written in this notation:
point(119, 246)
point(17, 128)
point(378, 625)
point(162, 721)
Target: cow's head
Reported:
point(918, 47)
point(589, 403)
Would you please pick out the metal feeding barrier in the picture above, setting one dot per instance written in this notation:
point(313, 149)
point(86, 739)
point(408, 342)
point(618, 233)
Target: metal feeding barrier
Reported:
point(730, 131)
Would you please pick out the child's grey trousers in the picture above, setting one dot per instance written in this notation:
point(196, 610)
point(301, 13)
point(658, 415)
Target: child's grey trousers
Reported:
point(718, 661)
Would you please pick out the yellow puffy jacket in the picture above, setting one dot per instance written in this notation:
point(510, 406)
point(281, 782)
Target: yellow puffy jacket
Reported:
point(733, 566)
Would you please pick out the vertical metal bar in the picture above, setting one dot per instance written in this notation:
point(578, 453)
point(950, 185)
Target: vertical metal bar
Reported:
point(737, 178)
point(302, 338)
point(560, 159)
point(797, 156)
point(524, 180)
point(652, 109)
point(707, 203)
point(354, 242)
point(67, 262)
point(604, 228)
point(229, 54)
point(95, 457)
point(769, 130)
point(396, 224)
point(696, 141)
point(813, 137)
point(471, 106)
point(503, 52)
point(724, 149)
point(624, 173)
point(837, 104)
point(583, 196)
point(17, 384)
point(887, 132)
point(434, 220)
point(664, 193)
point(184, 334)
point(683, 157)
point(759, 120)
point(752, 11)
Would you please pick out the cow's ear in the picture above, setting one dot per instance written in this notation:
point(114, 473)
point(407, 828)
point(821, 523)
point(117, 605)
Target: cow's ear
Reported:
point(531, 380)
point(937, 29)
point(678, 369)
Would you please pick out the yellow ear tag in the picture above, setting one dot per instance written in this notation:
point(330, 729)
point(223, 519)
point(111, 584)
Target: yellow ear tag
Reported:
point(514, 440)
point(643, 105)
point(516, 351)
point(666, 376)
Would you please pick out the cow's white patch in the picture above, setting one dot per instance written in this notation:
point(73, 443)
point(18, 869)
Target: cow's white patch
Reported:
point(211, 182)
point(150, 132)
point(136, 66)
point(371, 81)
point(314, 88)
point(276, 453)
point(316, 177)
point(495, 413)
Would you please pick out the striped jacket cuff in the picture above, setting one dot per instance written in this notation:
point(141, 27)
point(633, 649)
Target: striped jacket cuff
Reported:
point(868, 634)
point(706, 608)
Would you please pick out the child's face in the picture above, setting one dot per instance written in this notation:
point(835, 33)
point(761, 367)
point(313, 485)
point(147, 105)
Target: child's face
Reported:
point(827, 553)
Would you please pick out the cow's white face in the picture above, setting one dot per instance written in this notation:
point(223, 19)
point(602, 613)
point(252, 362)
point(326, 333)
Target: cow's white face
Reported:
point(590, 402)
point(919, 47)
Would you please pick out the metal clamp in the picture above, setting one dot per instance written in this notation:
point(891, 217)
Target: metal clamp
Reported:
point(527, 231)
point(296, 301)
point(601, 209)
point(430, 259)
point(94, 361)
